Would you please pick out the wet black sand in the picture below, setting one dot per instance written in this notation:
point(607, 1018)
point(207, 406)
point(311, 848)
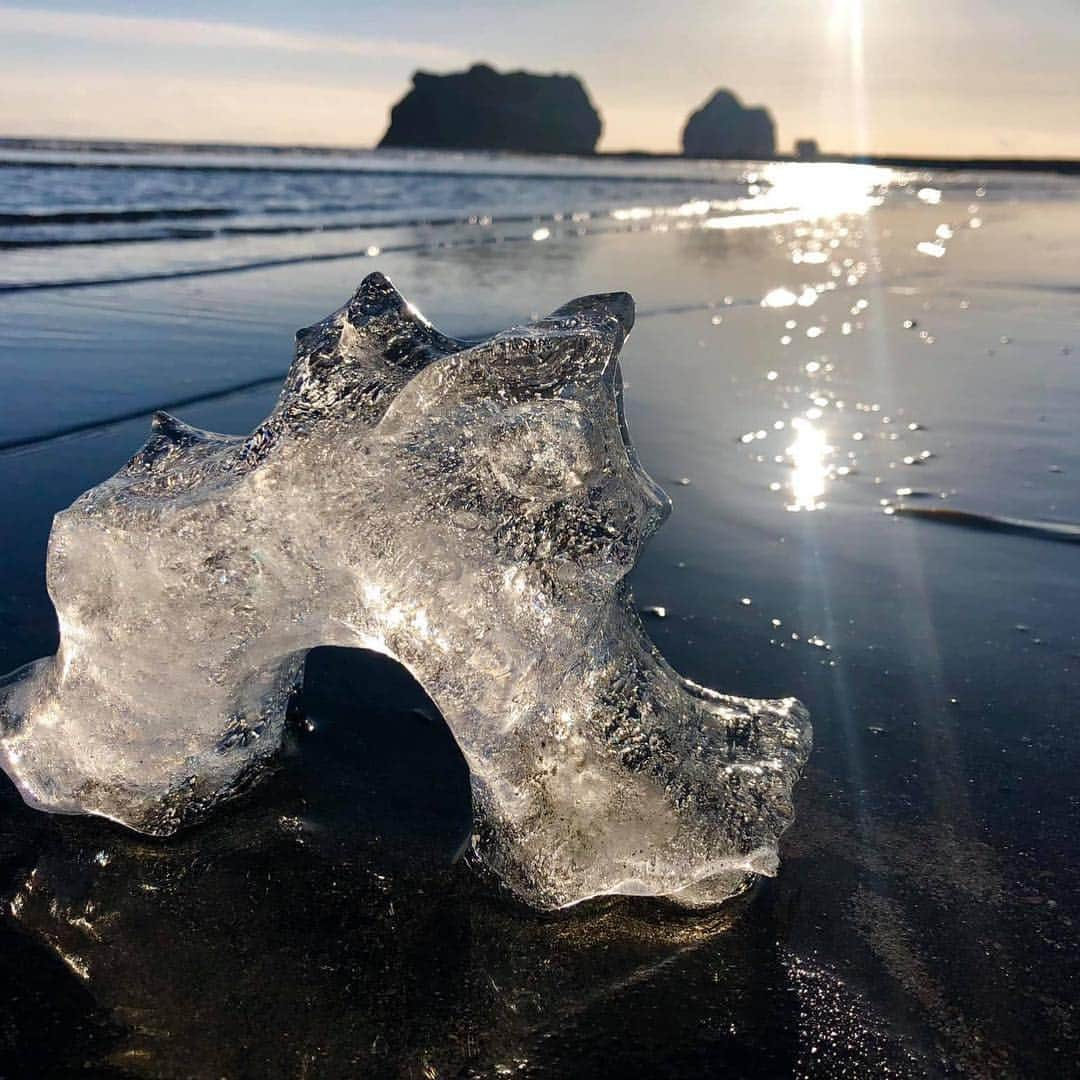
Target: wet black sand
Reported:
point(924, 919)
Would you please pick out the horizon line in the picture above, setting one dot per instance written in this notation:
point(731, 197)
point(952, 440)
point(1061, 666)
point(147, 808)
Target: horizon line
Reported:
point(823, 156)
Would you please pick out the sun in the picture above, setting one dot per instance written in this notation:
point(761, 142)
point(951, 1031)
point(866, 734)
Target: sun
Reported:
point(845, 19)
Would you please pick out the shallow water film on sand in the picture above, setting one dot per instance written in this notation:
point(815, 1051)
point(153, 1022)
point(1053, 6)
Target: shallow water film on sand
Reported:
point(472, 511)
point(829, 363)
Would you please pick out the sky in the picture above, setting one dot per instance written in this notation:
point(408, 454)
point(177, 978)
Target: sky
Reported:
point(934, 77)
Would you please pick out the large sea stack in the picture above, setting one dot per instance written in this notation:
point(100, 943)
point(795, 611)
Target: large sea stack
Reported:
point(725, 128)
point(481, 109)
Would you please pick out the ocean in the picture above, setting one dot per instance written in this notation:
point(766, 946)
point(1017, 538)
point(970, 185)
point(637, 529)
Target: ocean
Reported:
point(859, 386)
point(212, 209)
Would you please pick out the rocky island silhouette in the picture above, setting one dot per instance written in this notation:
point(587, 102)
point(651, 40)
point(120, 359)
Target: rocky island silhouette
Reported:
point(483, 109)
point(725, 128)
point(529, 112)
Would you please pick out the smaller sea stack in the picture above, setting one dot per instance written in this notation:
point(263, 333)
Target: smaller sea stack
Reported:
point(725, 128)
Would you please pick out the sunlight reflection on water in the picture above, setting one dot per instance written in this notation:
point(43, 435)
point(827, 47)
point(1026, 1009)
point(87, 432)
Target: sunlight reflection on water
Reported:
point(825, 190)
point(808, 454)
point(781, 193)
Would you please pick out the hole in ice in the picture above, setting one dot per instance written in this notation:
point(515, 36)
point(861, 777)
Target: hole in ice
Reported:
point(371, 753)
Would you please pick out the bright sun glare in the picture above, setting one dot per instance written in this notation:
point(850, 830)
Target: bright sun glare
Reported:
point(808, 455)
point(845, 18)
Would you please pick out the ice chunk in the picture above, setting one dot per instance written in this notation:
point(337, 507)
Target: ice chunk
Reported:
point(471, 509)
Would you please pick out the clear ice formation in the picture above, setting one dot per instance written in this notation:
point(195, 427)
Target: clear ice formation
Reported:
point(471, 509)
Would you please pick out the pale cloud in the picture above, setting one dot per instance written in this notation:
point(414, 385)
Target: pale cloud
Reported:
point(146, 30)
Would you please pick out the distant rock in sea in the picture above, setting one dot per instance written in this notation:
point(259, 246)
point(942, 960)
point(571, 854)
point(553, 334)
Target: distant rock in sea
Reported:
point(725, 128)
point(481, 109)
point(807, 149)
